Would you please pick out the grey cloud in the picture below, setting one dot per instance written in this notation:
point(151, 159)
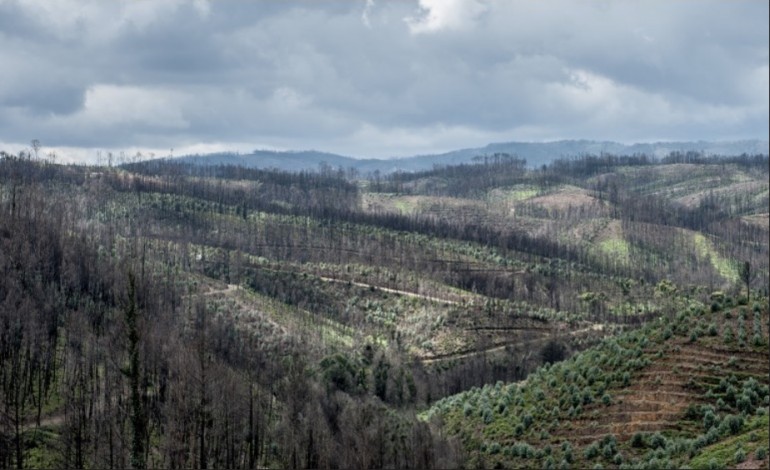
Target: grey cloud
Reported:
point(670, 47)
point(317, 74)
point(49, 99)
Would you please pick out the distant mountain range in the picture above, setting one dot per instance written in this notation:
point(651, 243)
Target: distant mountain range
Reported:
point(535, 153)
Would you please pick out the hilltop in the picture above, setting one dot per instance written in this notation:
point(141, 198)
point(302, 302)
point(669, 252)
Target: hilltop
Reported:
point(536, 154)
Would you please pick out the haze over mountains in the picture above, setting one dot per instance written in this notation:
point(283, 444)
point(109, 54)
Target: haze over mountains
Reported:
point(536, 154)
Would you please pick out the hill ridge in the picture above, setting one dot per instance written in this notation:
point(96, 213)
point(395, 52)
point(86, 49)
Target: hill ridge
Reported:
point(536, 154)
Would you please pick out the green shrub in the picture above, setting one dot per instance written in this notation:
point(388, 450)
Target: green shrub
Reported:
point(588, 397)
point(728, 335)
point(709, 420)
point(488, 416)
point(733, 424)
point(693, 412)
point(610, 440)
point(658, 441)
point(682, 446)
point(637, 440)
point(744, 403)
point(591, 452)
point(713, 435)
point(730, 394)
point(609, 451)
point(761, 453)
point(529, 451)
point(521, 449)
point(740, 455)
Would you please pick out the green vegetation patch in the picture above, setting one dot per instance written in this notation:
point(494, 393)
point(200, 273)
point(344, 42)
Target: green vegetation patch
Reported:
point(405, 206)
point(40, 449)
point(617, 248)
point(514, 194)
point(723, 266)
point(755, 434)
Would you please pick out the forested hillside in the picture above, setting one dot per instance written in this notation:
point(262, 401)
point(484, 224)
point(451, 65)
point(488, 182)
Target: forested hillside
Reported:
point(163, 314)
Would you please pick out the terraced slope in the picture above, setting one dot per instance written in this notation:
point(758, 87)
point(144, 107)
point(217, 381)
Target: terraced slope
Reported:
point(665, 395)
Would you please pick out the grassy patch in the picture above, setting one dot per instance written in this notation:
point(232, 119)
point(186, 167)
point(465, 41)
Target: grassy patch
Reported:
point(617, 248)
point(722, 265)
point(404, 205)
point(755, 435)
point(515, 194)
point(40, 449)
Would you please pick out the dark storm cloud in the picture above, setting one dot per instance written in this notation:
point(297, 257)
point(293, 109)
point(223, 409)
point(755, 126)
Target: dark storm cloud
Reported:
point(376, 78)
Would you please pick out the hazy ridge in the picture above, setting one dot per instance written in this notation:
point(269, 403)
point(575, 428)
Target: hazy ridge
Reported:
point(536, 154)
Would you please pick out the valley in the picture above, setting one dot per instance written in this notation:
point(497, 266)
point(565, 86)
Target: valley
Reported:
point(600, 311)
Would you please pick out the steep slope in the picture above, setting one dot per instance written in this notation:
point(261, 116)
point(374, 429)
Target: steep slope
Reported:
point(666, 395)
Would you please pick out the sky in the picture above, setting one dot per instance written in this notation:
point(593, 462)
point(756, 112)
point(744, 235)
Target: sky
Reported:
point(376, 78)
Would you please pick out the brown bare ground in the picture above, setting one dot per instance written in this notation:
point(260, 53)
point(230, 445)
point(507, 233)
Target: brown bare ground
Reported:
point(566, 197)
point(752, 463)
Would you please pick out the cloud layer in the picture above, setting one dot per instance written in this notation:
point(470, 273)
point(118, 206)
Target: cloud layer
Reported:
point(375, 78)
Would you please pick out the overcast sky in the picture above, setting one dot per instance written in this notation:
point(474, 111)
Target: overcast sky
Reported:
point(376, 78)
